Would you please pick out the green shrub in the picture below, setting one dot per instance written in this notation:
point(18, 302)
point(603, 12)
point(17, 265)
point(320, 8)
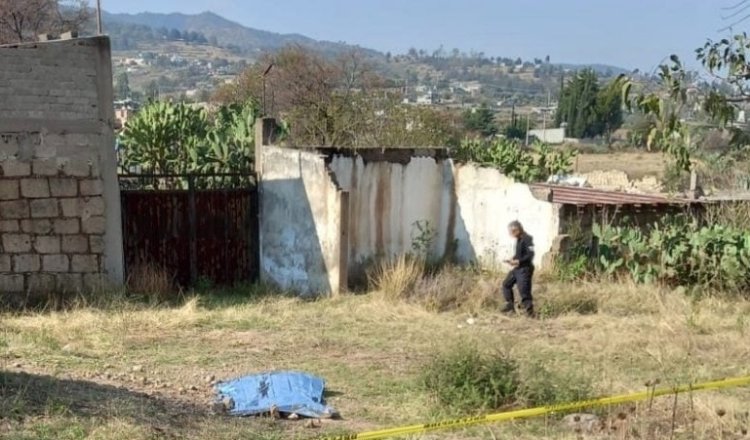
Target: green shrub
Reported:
point(467, 380)
point(550, 382)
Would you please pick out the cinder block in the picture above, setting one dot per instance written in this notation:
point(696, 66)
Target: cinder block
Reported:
point(66, 226)
point(75, 244)
point(38, 226)
point(35, 188)
point(94, 282)
point(26, 263)
point(44, 208)
point(14, 168)
point(70, 207)
point(96, 243)
point(9, 226)
point(76, 168)
point(11, 283)
point(63, 187)
point(69, 282)
point(55, 263)
point(16, 243)
point(15, 209)
point(9, 189)
point(91, 207)
point(84, 263)
point(4, 263)
point(41, 283)
point(93, 225)
point(91, 187)
point(47, 244)
point(45, 167)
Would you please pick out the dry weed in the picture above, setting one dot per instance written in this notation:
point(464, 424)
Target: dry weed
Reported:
point(152, 282)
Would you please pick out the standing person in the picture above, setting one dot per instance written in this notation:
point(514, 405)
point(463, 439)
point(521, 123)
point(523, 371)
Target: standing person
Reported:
point(522, 270)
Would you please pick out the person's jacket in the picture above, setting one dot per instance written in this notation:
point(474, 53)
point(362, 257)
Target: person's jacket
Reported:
point(525, 250)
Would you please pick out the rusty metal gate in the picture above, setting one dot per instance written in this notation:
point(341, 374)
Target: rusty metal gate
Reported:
point(195, 227)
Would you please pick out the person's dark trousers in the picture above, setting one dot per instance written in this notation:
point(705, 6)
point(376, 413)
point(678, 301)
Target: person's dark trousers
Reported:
point(521, 277)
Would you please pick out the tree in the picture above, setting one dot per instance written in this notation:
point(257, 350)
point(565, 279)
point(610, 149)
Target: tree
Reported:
point(23, 20)
point(481, 120)
point(609, 108)
point(122, 86)
point(587, 110)
point(175, 34)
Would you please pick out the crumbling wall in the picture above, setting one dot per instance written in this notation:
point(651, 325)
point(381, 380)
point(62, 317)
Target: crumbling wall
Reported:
point(300, 208)
point(59, 200)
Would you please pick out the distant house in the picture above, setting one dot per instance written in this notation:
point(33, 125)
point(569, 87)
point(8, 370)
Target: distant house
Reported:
point(473, 88)
point(429, 97)
point(552, 136)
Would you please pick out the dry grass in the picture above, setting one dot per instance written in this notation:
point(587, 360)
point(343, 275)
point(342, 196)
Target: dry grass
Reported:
point(152, 282)
point(128, 372)
point(635, 164)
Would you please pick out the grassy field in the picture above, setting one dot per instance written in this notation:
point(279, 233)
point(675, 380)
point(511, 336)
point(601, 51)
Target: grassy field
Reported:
point(130, 371)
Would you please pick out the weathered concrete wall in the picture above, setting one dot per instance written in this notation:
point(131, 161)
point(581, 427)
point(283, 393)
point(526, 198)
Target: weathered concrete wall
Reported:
point(300, 222)
point(467, 207)
point(59, 200)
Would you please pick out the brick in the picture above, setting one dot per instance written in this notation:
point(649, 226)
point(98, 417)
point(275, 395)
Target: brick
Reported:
point(55, 263)
point(75, 244)
point(84, 263)
point(41, 283)
point(15, 168)
point(47, 244)
point(70, 207)
point(42, 208)
point(69, 282)
point(35, 188)
point(76, 168)
point(4, 263)
point(46, 167)
point(66, 226)
point(91, 207)
point(11, 283)
point(40, 226)
point(26, 263)
point(94, 282)
point(14, 210)
point(91, 187)
point(9, 226)
point(63, 187)
point(9, 189)
point(16, 243)
point(96, 243)
point(93, 225)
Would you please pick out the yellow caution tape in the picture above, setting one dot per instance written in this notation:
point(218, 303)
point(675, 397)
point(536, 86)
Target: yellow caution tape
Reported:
point(542, 410)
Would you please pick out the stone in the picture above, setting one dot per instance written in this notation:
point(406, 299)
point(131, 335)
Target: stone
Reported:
point(84, 263)
point(47, 244)
point(41, 282)
point(15, 168)
point(25, 263)
point(75, 244)
point(41, 226)
point(14, 210)
point(63, 187)
point(9, 189)
point(70, 207)
point(55, 263)
point(4, 263)
point(91, 207)
point(137, 368)
point(96, 243)
point(45, 167)
point(91, 187)
point(76, 168)
point(11, 283)
point(93, 225)
point(44, 208)
point(34, 188)
point(9, 226)
point(69, 282)
point(66, 226)
point(16, 243)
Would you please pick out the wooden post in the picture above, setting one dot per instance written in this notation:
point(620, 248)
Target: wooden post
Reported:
point(193, 230)
point(344, 243)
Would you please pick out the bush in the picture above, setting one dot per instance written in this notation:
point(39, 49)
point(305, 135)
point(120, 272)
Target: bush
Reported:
point(395, 278)
point(469, 381)
point(553, 384)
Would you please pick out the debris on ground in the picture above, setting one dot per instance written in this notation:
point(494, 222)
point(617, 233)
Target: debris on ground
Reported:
point(281, 394)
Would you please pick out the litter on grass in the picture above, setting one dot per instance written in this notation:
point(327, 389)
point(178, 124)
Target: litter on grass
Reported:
point(285, 392)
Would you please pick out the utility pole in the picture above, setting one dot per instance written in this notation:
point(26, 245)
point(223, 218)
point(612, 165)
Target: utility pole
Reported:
point(528, 126)
point(99, 29)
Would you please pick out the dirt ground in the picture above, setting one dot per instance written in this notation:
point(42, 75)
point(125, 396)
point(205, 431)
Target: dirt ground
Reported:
point(139, 372)
point(635, 164)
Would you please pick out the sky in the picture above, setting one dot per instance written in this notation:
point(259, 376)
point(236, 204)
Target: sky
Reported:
point(626, 33)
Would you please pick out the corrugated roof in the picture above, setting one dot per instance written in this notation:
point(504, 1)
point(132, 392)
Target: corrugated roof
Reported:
point(572, 195)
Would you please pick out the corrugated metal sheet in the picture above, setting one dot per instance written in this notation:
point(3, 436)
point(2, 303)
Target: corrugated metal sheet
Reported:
point(570, 195)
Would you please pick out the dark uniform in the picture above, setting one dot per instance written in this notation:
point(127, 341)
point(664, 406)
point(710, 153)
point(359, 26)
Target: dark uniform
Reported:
point(521, 275)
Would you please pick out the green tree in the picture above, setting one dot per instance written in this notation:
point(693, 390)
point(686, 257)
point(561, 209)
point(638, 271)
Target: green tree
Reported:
point(122, 86)
point(578, 107)
point(480, 120)
point(609, 108)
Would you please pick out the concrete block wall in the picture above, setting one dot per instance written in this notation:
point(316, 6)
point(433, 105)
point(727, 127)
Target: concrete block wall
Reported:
point(59, 199)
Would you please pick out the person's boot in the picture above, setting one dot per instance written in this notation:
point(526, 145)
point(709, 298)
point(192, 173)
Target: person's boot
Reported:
point(509, 309)
point(530, 313)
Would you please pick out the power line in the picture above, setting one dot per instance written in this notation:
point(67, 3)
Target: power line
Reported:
point(742, 3)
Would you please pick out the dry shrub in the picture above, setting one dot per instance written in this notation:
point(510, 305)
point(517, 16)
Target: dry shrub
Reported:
point(395, 278)
point(152, 282)
point(564, 300)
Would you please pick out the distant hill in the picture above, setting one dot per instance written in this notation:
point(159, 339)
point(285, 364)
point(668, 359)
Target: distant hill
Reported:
point(228, 33)
point(601, 69)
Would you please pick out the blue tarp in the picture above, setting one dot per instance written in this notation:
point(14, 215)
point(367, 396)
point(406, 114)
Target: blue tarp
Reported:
point(289, 392)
